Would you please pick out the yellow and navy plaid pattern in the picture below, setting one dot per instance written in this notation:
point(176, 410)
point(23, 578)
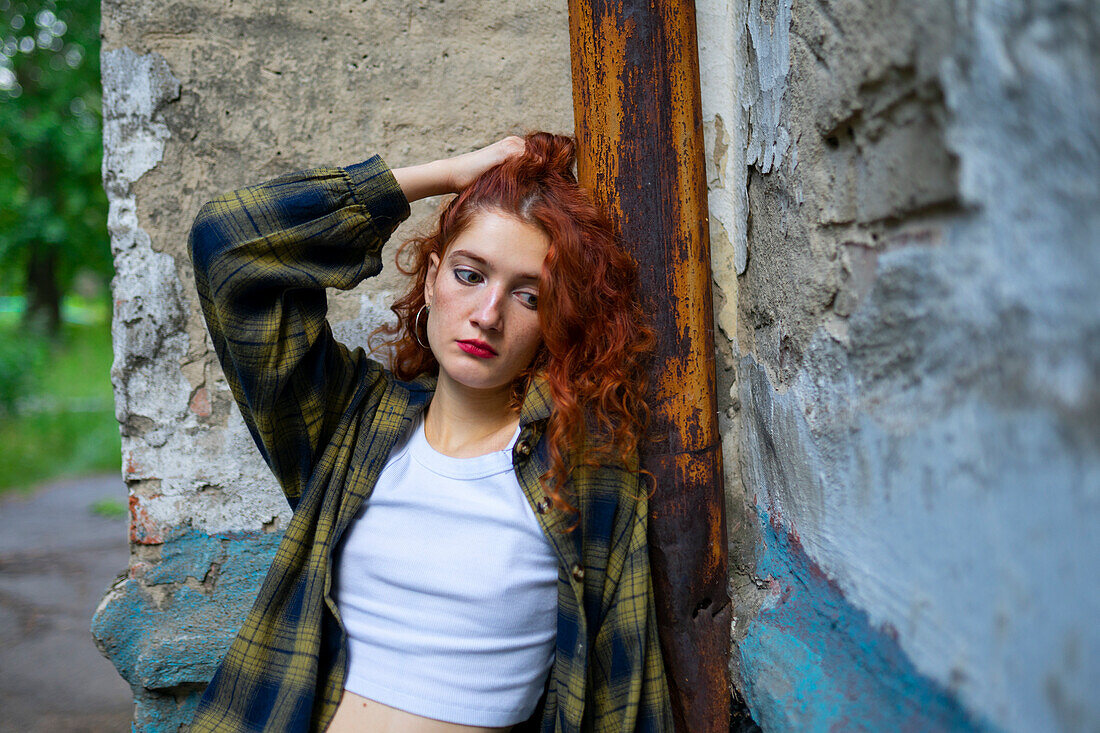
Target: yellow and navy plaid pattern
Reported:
point(325, 419)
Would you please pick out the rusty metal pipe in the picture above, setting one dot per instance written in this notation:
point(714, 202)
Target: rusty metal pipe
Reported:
point(640, 150)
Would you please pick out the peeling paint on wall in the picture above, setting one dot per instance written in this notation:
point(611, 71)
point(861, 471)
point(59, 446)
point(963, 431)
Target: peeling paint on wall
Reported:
point(796, 659)
point(170, 623)
point(766, 83)
point(148, 315)
point(722, 65)
point(918, 366)
point(161, 432)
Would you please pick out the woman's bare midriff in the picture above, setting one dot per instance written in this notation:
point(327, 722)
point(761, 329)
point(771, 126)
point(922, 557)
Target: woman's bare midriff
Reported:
point(358, 714)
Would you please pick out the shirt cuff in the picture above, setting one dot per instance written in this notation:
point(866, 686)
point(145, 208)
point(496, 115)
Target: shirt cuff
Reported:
point(374, 186)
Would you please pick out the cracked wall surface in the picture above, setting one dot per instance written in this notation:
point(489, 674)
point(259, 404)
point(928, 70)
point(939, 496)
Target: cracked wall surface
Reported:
point(913, 366)
point(202, 97)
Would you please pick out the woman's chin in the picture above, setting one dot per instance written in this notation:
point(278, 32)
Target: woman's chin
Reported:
point(470, 379)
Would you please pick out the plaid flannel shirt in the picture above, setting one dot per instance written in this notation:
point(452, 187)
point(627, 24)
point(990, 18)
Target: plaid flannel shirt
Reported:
point(325, 419)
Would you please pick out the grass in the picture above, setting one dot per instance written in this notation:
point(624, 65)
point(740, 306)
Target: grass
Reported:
point(67, 424)
point(110, 508)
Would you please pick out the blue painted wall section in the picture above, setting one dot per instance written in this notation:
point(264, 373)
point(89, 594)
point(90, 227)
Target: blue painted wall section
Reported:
point(811, 661)
point(167, 628)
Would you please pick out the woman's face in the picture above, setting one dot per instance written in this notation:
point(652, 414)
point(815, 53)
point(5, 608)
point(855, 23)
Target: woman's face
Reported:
point(483, 327)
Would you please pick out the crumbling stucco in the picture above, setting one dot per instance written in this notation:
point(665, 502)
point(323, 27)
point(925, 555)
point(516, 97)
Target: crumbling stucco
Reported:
point(765, 79)
point(918, 374)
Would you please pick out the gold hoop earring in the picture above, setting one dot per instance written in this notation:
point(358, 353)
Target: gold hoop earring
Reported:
point(416, 325)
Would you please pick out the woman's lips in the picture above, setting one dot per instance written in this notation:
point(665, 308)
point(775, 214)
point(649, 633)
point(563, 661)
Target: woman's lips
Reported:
point(472, 348)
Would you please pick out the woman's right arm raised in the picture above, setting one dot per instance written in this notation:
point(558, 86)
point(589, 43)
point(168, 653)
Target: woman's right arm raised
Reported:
point(263, 256)
point(452, 175)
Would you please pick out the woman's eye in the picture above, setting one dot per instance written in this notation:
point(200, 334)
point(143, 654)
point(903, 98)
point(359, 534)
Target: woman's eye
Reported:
point(529, 299)
point(468, 276)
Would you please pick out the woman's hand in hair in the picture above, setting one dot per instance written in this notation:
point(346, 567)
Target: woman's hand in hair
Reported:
point(468, 166)
point(452, 175)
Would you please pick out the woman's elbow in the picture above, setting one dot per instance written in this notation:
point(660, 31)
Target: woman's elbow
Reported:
point(205, 236)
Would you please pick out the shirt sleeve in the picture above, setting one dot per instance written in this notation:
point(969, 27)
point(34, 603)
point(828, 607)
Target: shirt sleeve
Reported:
point(263, 256)
point(629, 689)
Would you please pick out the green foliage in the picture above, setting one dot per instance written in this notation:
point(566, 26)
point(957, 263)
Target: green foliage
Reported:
point(22, 358)
point(51, 193)
point(69, 428)
point(53, 212)
point(43, 446)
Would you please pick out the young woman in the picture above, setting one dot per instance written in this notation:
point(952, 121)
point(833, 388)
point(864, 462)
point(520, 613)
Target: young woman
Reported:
point(468, 545)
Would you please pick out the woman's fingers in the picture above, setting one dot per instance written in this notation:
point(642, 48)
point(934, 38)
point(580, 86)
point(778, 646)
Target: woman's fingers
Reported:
point(509, 146)
point(468, 166)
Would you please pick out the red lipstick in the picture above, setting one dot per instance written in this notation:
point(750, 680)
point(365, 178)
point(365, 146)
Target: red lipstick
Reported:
point(477, 348)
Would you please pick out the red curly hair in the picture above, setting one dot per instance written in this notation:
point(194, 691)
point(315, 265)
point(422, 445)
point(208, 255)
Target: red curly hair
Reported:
point(596, 340)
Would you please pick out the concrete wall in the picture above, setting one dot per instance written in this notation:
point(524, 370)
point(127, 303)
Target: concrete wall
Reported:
point(202, 96)
point(909, 325)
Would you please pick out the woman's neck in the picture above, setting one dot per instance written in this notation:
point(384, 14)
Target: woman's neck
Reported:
point(462, 423)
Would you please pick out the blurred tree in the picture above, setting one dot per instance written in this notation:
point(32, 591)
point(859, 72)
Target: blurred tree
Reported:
point(53, 211)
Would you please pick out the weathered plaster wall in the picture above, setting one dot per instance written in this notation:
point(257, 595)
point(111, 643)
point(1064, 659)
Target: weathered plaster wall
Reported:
point(201, 97)
point(916, 398)
point(724, 80)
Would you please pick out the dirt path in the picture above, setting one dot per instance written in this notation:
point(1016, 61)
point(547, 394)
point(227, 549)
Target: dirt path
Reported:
point(57, 559)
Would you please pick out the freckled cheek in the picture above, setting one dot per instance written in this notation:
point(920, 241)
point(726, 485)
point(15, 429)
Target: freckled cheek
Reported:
point(448, 309)
point(532, 337)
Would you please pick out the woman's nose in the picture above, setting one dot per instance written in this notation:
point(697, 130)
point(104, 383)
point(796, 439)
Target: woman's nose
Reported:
point(487, 315)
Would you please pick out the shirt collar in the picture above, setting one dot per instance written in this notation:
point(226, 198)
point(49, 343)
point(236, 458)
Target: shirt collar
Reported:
point(537, 403)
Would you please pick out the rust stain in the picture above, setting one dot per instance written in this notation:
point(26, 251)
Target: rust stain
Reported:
point(598, 58)
point(640, 150)
point(132, 467)
point(144, 530)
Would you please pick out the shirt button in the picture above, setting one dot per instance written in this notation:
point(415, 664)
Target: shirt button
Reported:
point(543, 506)
point(578, 573)
point(523, 448)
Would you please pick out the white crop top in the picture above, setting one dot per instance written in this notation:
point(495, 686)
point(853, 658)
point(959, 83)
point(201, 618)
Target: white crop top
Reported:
point(447, 587)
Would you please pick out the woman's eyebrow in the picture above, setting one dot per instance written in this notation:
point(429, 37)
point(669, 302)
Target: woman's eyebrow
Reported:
point(484, 262)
